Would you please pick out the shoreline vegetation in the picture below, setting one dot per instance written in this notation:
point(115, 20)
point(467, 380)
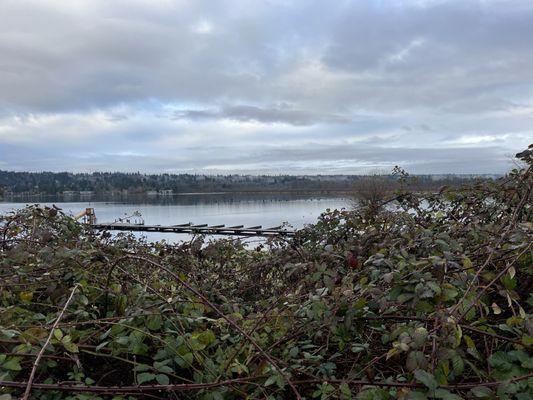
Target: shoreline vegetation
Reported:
point(428, 300)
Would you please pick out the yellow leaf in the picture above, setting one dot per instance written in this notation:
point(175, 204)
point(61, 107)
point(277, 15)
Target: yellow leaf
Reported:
point(34, 335)
point(26, 297)
point(392, 352)
point(467, 264)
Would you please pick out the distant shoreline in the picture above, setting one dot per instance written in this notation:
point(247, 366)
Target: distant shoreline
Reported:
point(144, 194)
point(108, 197)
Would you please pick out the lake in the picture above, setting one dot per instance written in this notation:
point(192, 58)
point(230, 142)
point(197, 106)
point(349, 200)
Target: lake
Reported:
point(214, 209)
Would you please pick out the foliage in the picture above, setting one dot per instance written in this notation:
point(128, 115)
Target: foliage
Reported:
point(428, 297)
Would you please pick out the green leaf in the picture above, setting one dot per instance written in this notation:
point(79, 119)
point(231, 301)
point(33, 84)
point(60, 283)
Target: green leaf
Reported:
point(508, 282)
point(12, 364)
point(142, 367)
point(145, 377)
point(165, 368)
point(404, 297)
point(446, 395)
point(101, 346)
point(123, 340)
point(139, 349)
point(162, 379)
point(185, 360)
point(416, 395)
point(457, 364)
point(373, 394)
point(527, 340)
point(69, 346)
point(472, 350)
point(195, 344)
point(450, 293)
point(9, 333)
point(420, 336)
point(426, 378)
point(416, 360)
point(271, 380)
point(154, 322)
point(500, 360)
point(434, 286)
point(207, 337)
point(482, 392)
point(345, 390)
point(58, 334)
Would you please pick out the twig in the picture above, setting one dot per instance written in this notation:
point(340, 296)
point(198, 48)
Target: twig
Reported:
point(247, 380)
point(41, 352)
point(129, 389)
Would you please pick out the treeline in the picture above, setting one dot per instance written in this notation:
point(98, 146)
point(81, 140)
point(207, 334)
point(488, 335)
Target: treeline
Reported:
point(103, 182)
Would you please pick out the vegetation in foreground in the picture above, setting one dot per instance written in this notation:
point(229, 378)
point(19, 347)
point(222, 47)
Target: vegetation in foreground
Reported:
point(429, 298)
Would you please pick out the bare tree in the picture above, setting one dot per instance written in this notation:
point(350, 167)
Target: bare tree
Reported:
point(370, 191)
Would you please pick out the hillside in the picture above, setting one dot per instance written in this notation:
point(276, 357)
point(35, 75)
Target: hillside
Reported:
point(52, 183)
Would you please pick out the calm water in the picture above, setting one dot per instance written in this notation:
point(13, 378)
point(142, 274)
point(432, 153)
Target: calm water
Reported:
point(248, 210)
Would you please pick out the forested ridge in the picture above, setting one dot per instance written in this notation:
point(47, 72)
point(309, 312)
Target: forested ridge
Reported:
point(100, 182)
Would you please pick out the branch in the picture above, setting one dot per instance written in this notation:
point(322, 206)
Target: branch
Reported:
point(199, 386)
point(41, 352)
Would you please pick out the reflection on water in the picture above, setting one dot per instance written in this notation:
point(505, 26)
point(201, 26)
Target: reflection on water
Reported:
point(182, 198)
point(213, 209)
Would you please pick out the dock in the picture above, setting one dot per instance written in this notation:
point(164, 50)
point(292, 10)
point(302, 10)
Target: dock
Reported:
point(199, 229)
point(88, 216)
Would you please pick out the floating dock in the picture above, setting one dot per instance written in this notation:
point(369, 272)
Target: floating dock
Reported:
point(202, 229)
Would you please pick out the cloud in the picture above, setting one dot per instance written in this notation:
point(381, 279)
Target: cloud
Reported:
point(243, 113)
point(272, 79)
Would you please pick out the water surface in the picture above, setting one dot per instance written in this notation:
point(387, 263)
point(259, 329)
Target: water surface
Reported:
point(213, 209)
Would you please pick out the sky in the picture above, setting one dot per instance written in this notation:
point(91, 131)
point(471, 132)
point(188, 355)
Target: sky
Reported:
point(265, 86)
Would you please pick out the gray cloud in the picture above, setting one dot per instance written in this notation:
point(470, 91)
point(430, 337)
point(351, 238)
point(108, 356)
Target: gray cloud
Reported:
point(245, 113)
point(311, 159)
point(438, 85)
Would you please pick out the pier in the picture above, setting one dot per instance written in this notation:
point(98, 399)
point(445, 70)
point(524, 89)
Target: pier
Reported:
point(88, 216)
point(202, 229)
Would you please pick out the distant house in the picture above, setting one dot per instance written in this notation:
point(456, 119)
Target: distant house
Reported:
point(86, 193)
point(166, 192)
point(69, 193)
point(151, 193)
